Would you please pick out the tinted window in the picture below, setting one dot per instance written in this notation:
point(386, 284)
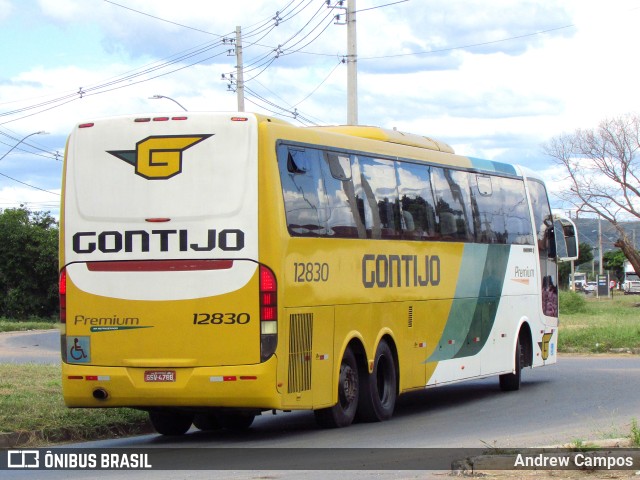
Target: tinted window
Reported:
point(340, 194)
point(304, 198)
point(416, 201)
point(380, 194)
point(453, 202)
point(516, 212)
point(344, 218)
point(546, 245)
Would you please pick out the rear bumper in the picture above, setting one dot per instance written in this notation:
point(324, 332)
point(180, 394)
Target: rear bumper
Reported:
point(248, 386)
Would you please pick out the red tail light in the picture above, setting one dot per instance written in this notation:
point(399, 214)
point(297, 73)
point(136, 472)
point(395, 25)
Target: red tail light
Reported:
point(62, 289)
point(268, 313)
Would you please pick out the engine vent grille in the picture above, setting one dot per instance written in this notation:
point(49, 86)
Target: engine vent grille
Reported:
point(300, 343)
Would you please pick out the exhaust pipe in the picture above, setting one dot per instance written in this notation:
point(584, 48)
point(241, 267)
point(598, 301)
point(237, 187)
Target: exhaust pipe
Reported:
point(100, 394)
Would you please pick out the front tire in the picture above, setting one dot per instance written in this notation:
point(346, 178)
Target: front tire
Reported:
point(343, 412)
point(379, 390)
point(510, 382)
point(172, 423)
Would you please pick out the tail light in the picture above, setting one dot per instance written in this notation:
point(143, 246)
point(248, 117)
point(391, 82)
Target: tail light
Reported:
point(268, 313)
point(62, 289)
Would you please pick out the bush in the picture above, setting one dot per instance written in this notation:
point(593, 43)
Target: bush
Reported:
point(28, 264)
point(572, 302)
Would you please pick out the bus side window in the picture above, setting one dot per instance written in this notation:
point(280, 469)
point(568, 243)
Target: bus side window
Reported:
point(487, 207)
point(416, 201)
point(344, 218)
point(546, 247)
point(302, 188)
point(378, 183)
point(517, 213)
point(453, 203)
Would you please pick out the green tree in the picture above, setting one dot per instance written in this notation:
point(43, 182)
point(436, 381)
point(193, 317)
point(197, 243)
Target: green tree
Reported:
point(614, 262)
point(28, 264)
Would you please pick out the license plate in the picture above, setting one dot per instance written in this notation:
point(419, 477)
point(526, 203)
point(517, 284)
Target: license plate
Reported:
point(160, 376)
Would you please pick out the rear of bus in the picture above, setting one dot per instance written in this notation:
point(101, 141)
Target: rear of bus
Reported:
point(163, 300)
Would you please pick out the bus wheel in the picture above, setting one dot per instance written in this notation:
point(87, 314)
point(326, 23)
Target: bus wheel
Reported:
point(379, 390)
point(510, 382)
point(343, 412)
point(170, 422)
point(236, 421)
point(206, 422)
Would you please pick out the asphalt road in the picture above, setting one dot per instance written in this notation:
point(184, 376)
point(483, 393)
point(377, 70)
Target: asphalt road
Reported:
point(580, 398)
point(41, 346)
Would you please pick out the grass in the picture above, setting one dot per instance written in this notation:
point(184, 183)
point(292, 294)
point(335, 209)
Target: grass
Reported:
point(9, 325)
point(31, 404)
point(635, 433)
point(591, 325)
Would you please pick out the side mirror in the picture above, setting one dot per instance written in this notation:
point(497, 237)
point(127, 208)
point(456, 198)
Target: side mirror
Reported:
point(566, 235)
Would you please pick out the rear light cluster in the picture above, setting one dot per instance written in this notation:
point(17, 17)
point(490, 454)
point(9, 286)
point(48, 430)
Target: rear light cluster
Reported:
point(268, 313)
point(62, 290)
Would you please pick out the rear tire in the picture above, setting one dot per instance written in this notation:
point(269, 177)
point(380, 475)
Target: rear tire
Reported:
point(379, 390)
point(170, 422)
point(343, 412)
point(510, 382)
point(236, 421)
point(206, 422)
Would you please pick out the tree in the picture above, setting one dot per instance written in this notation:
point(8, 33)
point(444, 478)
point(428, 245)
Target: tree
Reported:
point(614, 262)
point(28, 264)
point(604, 173)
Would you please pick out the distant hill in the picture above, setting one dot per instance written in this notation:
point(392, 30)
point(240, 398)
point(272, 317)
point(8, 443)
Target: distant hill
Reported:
point(588, 233)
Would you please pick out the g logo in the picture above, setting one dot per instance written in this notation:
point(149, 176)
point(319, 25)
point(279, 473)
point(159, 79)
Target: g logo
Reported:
point(159, 158)
point(544, 345)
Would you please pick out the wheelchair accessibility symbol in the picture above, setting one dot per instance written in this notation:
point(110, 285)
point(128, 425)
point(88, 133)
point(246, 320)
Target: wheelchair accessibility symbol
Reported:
point(79, 351)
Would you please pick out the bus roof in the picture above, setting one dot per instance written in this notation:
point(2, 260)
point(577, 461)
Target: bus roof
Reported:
point(390, 136)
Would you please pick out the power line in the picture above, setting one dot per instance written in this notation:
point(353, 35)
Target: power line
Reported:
point(161, 19)
point(28, 185)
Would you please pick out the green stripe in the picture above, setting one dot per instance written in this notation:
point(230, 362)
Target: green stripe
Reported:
point(473, 310)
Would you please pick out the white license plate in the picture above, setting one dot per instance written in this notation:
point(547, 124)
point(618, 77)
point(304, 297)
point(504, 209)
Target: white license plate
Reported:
point(160, 376)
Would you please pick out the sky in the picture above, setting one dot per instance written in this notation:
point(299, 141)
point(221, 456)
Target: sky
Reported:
point(495, 79)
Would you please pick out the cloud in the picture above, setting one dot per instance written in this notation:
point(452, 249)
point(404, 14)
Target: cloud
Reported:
point(5, 9)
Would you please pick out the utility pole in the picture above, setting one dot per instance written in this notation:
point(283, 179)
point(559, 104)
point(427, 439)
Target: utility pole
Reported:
point(239, 68)
point(352, 64)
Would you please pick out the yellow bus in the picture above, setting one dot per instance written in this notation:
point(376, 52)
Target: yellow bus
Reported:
point(214, 266)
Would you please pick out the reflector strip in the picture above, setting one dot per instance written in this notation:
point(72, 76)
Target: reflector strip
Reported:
point(99, 378)
point(85, 125)
point(75, 377)
point(225, 378)
point(159, 265)
point(248, 377)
